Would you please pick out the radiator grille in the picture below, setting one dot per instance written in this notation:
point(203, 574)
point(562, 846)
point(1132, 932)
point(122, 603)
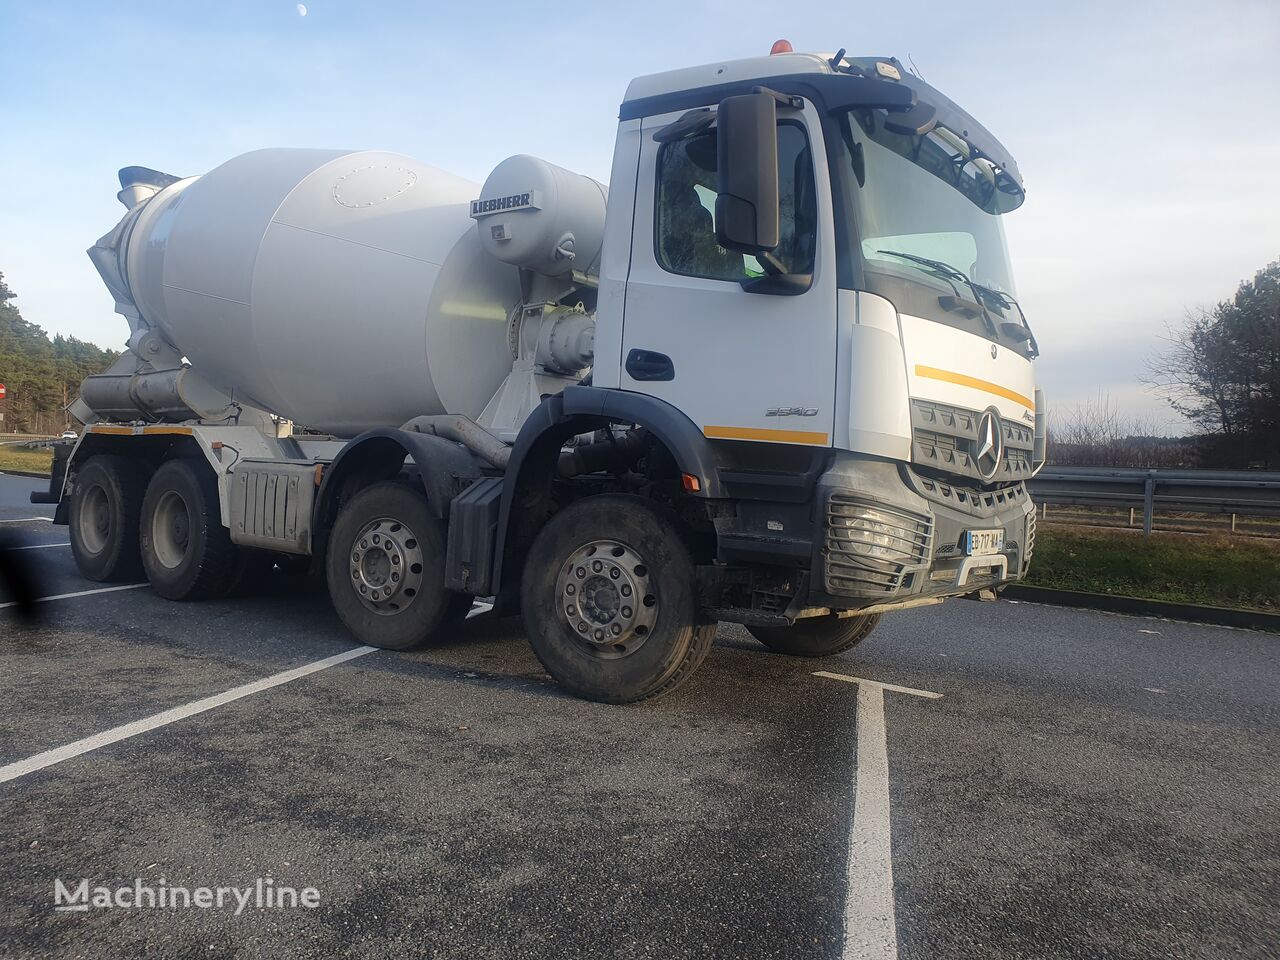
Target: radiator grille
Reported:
point(943, 437)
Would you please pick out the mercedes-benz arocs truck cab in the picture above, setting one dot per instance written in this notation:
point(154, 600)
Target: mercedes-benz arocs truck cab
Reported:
point(775, 373)
point(881, 355)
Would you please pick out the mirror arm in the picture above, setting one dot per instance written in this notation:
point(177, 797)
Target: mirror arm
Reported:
point(772, 265)
point(689, 124)
point(778, 284)
point(785, 99)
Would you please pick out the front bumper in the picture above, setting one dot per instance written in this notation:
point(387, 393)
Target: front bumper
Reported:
point(888, 534)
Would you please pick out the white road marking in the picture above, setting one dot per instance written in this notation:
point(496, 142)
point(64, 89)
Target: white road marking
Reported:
point(49, 757)
point(81, 593)
point(41, 546)
point(29, 520)
point(870, 923)
point(928, 694)
point(870, 916)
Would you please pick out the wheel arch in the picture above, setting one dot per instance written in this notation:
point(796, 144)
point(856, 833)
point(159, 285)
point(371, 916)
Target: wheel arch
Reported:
point(686, 443)
point(150, 449)
point(444, 470)
point(526, 500)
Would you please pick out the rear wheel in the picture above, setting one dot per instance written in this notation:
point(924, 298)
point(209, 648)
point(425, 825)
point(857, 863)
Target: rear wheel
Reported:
point(385, 567)
point(104, 513)
point(609, 602)
point(187, 552)
point(817, 636)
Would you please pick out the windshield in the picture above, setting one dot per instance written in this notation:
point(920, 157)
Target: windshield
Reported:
point(915, 205)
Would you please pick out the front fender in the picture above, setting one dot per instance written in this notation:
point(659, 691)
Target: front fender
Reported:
point(680, 435)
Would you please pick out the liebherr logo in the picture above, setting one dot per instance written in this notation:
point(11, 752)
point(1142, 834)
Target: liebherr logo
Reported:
point(791, 412)
point(531, 200)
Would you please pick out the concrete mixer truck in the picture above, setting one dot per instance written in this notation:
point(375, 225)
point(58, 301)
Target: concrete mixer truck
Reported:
point(775, 373)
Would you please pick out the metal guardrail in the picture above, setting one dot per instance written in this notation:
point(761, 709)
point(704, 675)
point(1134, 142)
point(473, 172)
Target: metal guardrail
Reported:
point(1242, 492)
point(29, 443)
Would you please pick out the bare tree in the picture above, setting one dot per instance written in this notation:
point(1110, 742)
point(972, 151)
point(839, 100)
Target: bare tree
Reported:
point(1099, 434)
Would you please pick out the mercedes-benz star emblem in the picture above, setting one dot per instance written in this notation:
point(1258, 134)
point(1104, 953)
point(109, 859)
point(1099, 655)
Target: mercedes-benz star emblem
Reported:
point(988, 449)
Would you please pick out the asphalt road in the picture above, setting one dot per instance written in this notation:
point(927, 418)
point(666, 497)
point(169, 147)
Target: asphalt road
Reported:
point(1088, 785)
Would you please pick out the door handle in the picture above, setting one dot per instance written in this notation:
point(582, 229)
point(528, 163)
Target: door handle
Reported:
point(649, 365)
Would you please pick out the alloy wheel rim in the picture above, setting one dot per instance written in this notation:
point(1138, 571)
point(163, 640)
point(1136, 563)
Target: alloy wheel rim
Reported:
point(385, 566)
point(607, 598)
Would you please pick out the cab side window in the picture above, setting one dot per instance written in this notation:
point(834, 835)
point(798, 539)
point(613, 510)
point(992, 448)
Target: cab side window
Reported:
point(686, 201)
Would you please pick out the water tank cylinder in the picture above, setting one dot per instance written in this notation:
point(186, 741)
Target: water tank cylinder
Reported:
point(541, 217)
point(341, 290)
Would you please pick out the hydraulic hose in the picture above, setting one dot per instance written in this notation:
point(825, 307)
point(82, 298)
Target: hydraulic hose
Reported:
point(467, 432)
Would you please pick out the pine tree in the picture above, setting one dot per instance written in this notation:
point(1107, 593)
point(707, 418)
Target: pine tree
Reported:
point(40, 375)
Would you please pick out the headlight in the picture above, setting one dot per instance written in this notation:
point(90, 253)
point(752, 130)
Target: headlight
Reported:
point(870, 547)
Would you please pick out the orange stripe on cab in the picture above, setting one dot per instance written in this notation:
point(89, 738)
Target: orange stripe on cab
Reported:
point(964, 380)
point(758, 433)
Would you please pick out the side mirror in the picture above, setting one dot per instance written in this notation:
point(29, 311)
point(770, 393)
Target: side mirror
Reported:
point(747, 173)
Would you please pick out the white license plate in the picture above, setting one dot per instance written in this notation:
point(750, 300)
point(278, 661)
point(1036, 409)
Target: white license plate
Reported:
point(980, 543)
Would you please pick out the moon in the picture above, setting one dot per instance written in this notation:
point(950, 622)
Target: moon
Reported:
point(302, 9)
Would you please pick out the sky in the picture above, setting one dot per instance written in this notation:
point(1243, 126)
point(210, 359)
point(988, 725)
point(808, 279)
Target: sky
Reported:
point(1145, 130)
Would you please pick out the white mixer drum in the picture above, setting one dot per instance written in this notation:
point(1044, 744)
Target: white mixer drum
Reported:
point(343, 291)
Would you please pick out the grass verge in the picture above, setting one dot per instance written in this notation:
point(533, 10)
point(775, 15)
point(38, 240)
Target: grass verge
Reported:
point(1213, 570)
point(30, 461)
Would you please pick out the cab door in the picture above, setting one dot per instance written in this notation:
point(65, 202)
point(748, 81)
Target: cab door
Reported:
point(740, 365)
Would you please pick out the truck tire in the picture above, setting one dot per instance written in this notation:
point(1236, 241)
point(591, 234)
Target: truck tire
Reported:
point(385, 567)
point(186, 551)
point(609, 601)
point(104, 516)
point(817, 636)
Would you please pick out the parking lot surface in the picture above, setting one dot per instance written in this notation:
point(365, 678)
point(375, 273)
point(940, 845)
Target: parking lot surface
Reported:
point(1085, 785)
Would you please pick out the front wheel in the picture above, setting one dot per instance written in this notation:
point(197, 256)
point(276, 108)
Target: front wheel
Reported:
point(817, 636)
point(609, 602)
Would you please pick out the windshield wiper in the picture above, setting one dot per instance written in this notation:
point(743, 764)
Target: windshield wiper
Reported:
point(1022, 332)
point(952, 274)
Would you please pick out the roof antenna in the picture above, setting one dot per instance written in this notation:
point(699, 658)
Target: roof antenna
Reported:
point(914, 68)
